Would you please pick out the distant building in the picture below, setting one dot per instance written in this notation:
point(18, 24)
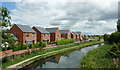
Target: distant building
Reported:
point(54, 34)
point(65, 34)
point(24, 33)
point(80, 35)
point(42, 34)
point(77, 35)
point(73, 36)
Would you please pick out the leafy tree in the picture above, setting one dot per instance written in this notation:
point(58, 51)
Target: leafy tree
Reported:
point(4, 24)
point(118, 25)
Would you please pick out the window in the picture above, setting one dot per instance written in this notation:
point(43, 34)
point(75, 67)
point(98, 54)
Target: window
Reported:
point(47, 35)
point(28, 42)
point(51, 35)
point(58, 35)
point(43, 35)
point(27, 35)
point(33, 35)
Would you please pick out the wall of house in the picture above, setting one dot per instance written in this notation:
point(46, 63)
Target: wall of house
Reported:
point(19, 34)
point(69, 34)
point(73, 36)
point(80, 35)
point(52, 37)
point(46, 37)
point(57, 33)
point(64, 36)
point(38, 34)
point(30, 37)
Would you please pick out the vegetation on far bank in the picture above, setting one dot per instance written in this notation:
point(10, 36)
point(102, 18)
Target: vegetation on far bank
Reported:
point(25, 56)
point(100, 58)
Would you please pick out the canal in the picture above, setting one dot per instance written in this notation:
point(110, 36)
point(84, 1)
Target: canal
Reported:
point(65, 60)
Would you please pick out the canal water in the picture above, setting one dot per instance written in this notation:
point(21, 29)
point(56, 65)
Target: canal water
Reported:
point(70, 59)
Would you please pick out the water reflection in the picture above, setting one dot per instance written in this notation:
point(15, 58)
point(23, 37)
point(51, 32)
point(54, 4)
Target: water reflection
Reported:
point(66, 60)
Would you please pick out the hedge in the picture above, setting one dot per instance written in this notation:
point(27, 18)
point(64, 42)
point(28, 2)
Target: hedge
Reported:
point(24, 46)
point(64, 41)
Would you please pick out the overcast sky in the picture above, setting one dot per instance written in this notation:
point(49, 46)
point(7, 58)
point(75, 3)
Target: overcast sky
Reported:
point(89, 17)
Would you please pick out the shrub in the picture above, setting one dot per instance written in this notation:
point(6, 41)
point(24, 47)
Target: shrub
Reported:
point(114, 51)
point(113, 38)
point(24, 46)
point(30, 46)
point(64, 41)
point(4, 48)
point(43, 44)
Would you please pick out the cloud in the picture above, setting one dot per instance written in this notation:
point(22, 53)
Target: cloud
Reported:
point(88, 17)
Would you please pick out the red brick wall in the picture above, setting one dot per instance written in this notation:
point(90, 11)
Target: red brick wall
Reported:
point(57, 32)
point(73, 36)
point(18, 32)
point(20, 35)
point(80, 35)
point(38, 34)
point(30, 37)
point(52, 36)
point(46, 37)
point(69, 34)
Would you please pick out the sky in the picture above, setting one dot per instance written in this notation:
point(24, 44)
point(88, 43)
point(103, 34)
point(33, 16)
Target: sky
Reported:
point(87, 16)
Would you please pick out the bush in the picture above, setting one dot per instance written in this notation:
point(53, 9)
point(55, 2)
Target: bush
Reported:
point(24, 46)
point(4, 48)
point(30, 46)
point(64, 41)
point(114, 52)
point(113, 38)
point(43, 44)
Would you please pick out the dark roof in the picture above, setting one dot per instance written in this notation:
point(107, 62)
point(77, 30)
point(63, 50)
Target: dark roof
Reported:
point(75, 33)
point(64, 31)
point(78, 33)
point(26, 28)
point(72, 33)
point(52, 30)
point(42, 30)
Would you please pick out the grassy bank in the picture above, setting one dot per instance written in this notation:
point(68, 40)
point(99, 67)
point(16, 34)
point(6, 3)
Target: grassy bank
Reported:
point(97, 58)
point(47, 53)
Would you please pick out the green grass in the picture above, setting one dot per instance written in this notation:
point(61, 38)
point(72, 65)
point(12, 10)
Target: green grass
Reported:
point(97, 58)
point(19, 59)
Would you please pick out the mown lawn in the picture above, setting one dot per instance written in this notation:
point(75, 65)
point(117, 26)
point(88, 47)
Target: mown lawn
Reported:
point(97, 58)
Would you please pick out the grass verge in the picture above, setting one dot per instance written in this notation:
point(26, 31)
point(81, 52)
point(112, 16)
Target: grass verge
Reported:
point(61, 49)
point(97, 58)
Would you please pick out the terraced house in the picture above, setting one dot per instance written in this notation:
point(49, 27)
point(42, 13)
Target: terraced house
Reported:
point(24, 33)
point(80, 35)
point(54, 34)
point(73, 36)
point(65, 34)
point(77, 35)
point(42, 34)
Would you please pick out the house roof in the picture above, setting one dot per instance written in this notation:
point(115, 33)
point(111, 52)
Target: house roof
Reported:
point(78, 33)
point(72, 33)
point(64, 31)
point(75, 33)
point(42, 30)
point(26, 28)
point(52, 30)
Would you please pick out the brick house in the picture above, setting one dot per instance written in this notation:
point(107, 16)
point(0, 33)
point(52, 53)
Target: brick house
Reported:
point(54, 34)
point(65, 34)
point(80, 35)
point(73, 36)
point(77, 35)
point(24, 33)
point(42, 34)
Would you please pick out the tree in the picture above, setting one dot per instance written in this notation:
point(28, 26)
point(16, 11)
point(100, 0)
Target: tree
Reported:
point(118, 25)
point(4, 24)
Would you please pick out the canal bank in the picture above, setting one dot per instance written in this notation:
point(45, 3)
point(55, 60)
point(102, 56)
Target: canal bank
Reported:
point(51, 53)
point(65, 60)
